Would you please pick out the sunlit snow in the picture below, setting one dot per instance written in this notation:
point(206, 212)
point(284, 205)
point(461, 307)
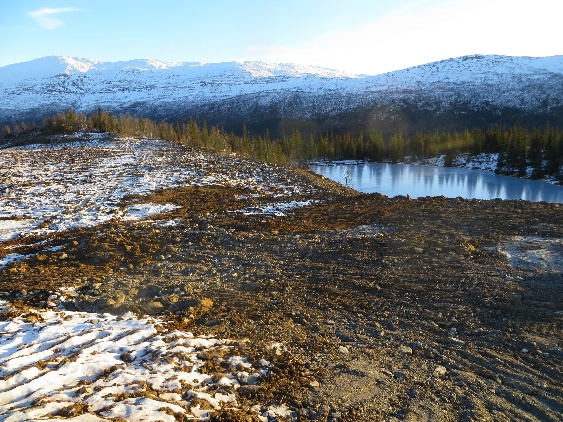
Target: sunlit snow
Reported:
point(59, 187)
point(100, 366)
point(55, 82)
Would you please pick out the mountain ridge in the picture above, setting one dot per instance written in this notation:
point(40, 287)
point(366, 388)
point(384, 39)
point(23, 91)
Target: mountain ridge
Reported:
point(464, 91)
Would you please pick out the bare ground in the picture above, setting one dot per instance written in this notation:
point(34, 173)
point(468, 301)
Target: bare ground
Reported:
point(385, 308)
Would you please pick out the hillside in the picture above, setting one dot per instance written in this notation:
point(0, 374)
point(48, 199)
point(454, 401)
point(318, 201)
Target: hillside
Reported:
point(455, 93)
point(145, 279)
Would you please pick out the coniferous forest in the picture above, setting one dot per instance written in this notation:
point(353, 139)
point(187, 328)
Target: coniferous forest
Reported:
point(519, 149)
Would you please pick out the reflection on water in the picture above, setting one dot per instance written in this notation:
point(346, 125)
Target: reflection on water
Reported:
point(418, 181)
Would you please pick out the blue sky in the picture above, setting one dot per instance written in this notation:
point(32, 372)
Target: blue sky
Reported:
point(359, 36)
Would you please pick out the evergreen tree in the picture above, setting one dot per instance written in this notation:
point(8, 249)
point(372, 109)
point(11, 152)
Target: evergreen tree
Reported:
point(396, 147)
point(535, 153)
point(205, 135)
point(375, 146)
point(193, 133)
point(478, 137)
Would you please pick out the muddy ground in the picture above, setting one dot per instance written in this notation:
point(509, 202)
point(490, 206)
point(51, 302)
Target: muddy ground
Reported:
point(384, 308)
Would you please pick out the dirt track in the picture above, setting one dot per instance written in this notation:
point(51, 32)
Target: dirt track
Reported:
point(386, 309)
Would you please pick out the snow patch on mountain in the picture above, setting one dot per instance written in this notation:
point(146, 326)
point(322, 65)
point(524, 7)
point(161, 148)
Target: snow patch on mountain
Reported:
point(40, 87)
point(265, 70)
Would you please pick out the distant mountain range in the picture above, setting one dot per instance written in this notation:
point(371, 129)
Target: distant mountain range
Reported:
point(450, 94)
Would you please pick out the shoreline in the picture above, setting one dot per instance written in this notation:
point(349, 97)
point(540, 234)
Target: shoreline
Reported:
point(481, 162)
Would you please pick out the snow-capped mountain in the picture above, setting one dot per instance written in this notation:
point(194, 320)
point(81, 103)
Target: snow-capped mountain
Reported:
point(453, 93)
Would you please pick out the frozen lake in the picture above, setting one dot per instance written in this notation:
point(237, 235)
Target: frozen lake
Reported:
point(418, 181)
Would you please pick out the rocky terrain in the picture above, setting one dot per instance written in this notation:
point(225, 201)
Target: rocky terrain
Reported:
point(360, 307)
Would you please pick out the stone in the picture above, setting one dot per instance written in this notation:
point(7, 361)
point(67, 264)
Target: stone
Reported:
point(85, 389)
point(343, 350)
point(73, 410)
point(150, 291)
point(184, 305)
point(128, 357)
point(456, 341)
point(248, 379)
point(399, 375)
point(440, 371)
point(154, 307)
point(277, 351)
point(119, 298)
point(405, 350)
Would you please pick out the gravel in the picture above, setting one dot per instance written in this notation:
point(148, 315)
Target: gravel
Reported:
point(380, 308)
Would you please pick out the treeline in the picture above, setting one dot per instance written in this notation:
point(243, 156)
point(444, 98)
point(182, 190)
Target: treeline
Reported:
point(188, 134)
point(518, 147)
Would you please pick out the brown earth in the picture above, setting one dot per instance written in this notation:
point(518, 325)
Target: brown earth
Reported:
point(383, 308)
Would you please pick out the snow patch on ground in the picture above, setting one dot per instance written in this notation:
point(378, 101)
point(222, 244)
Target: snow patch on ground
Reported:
point(140, 211)
point(9, 229)
point(83, 183)
point(534, 251)
point(483, 161)
point(486, 162)
point(13, 257)
point(99, 367)
point(277, 210)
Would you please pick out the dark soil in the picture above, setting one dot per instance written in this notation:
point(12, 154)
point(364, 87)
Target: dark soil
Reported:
point(384, 308)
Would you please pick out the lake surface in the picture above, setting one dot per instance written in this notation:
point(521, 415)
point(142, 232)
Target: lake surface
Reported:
point(420, 181)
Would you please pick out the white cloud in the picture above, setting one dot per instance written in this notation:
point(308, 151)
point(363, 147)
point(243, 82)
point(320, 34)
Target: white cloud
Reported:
point(426, 31)
point(45, 19)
